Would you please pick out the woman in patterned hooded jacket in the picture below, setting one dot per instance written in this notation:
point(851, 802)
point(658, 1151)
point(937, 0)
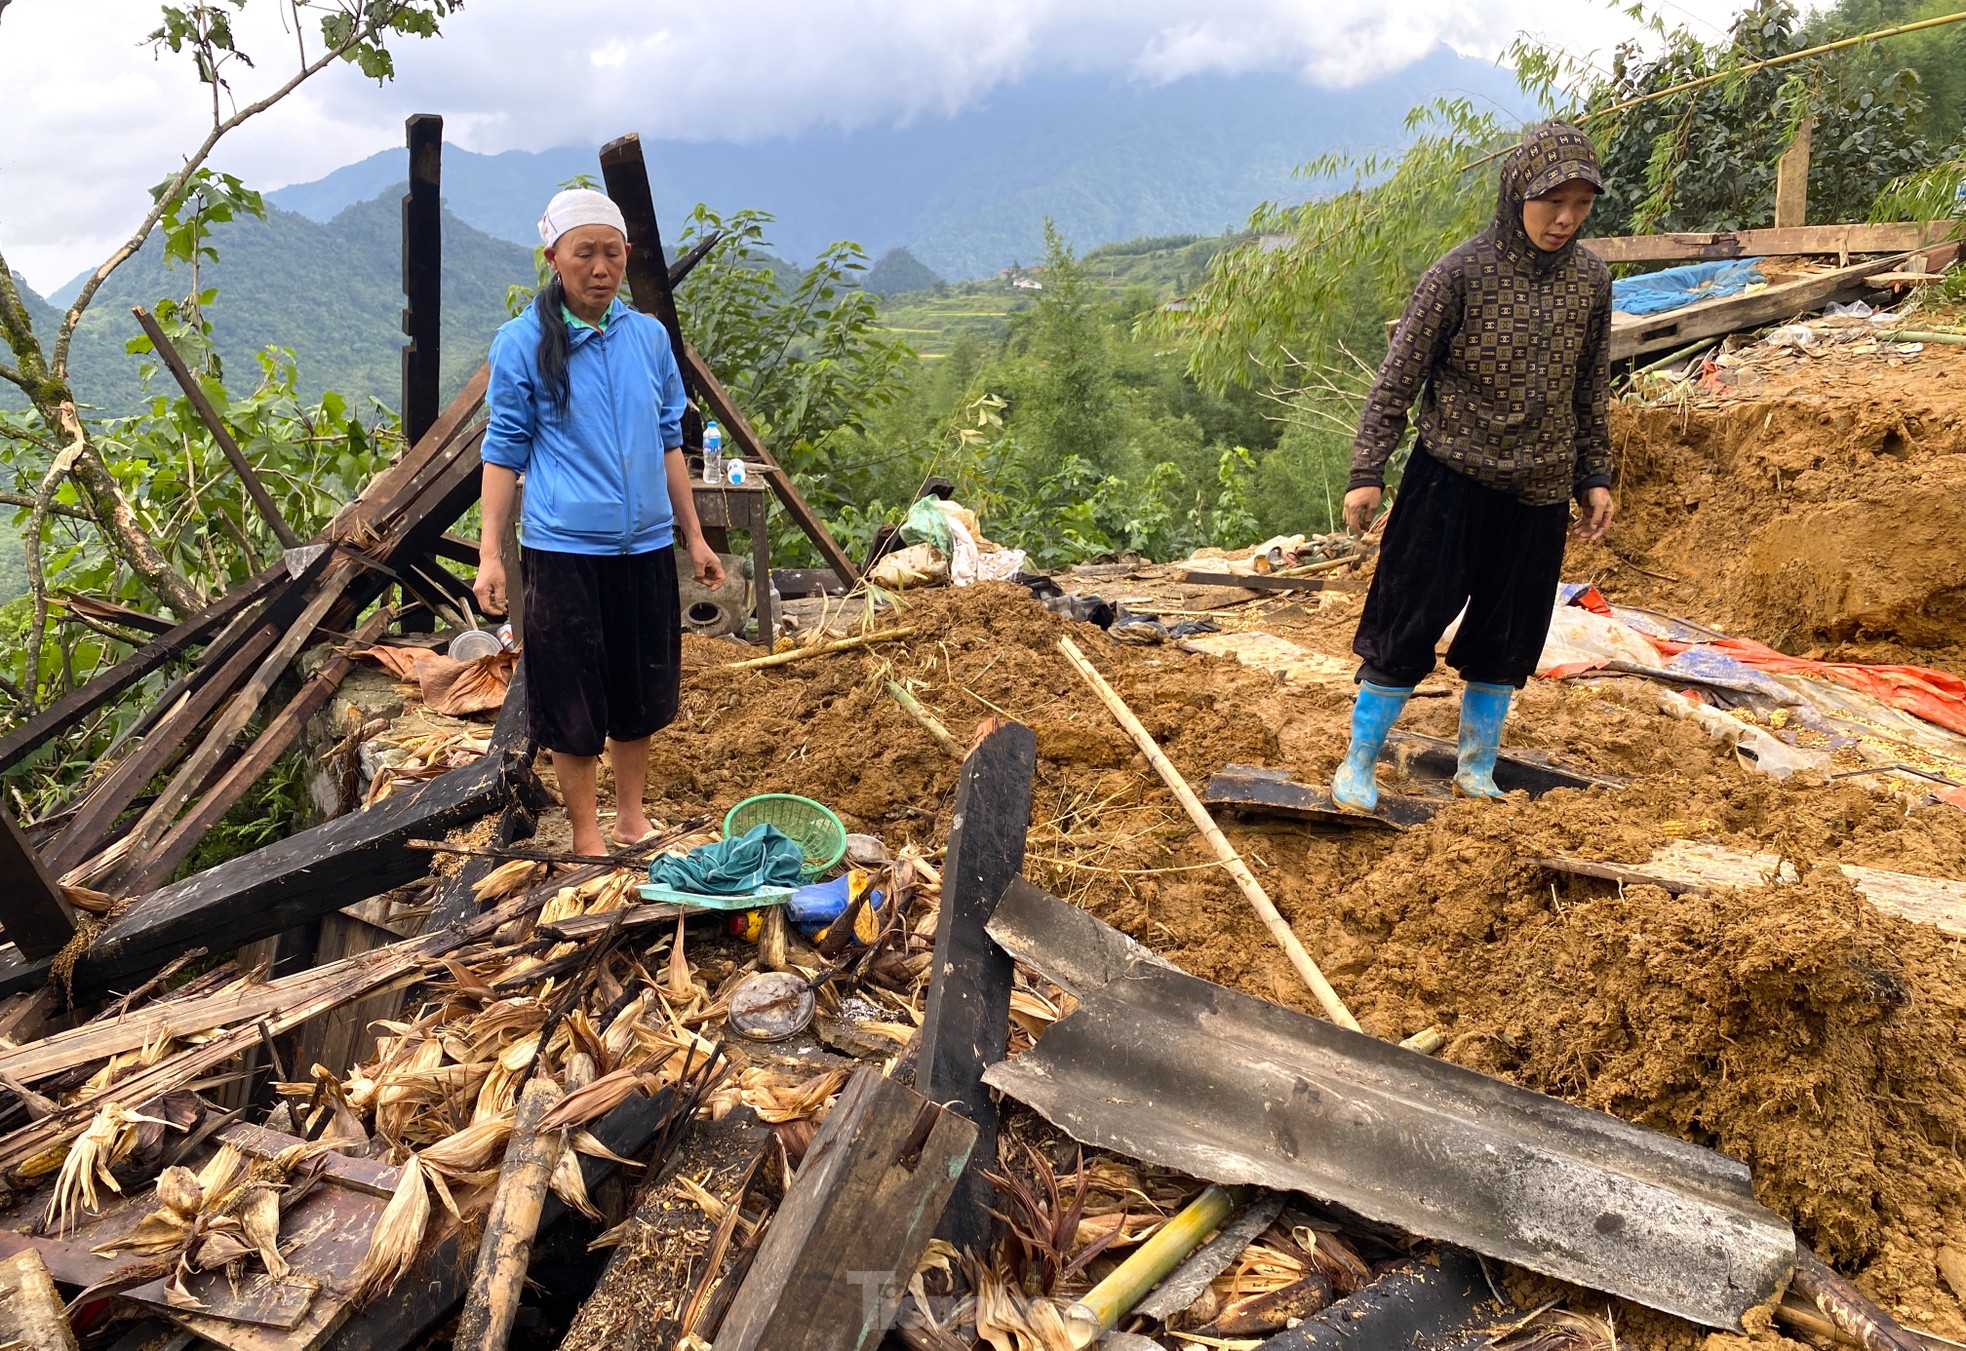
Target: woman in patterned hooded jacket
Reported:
point(1506, 344)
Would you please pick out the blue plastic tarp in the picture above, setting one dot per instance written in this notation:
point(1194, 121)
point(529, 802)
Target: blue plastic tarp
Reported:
point(1657, 292)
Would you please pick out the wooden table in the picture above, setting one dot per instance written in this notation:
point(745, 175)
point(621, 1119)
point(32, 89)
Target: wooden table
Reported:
point(724, 506)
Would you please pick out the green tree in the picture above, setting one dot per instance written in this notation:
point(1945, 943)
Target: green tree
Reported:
point(112, 483)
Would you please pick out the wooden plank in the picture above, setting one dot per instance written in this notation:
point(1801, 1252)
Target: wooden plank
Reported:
point(171, 734)
point(966, 1023)
point(832, 1268)
point(1799, 241)
point(1682, 866)
point(31, 1309)
point(32, 912)
point(1792, 179)
point(203, 762)
point(423, 274)
point(1270, 792)
point(234, 1005)
point(1634, 336)
point(387, 486)
point(310, 873)
point(274, 740)
point(727, 412)
point(1531, 772)
point(1256, 581)
point(77, 704)
point(19, 973)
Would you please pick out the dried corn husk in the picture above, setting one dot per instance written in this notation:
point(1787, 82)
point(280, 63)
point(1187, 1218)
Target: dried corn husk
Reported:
point(103, 1144)
point(570, 1184)
point(475, 1149)
point(259, 1219)
point(398, 1235)
point(179, 1190)
point(775, 1100)
point(508, 879)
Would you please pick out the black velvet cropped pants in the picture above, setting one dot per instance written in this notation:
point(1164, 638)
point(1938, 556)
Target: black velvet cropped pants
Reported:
point(1449, 542)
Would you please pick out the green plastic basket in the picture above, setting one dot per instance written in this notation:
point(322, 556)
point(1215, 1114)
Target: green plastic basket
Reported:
point(817, 830)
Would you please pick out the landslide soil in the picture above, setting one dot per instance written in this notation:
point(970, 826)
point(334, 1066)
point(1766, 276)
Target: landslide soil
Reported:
point(1817, 505)
point(1794, 1028)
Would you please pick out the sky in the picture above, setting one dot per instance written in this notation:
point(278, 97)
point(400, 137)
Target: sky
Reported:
point(94, 117)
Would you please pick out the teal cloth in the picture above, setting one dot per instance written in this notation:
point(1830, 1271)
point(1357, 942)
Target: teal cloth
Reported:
point(763, 856)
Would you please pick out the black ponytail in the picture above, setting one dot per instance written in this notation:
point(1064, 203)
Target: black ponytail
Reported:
point(552, 355)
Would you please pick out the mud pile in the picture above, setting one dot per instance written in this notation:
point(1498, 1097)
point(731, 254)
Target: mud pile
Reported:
point(1794, 1028)
point(1820, 513)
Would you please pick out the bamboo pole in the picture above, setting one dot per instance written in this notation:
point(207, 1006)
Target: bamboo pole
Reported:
point(837, 645)
point(928, 720)
point(1846, 1308)
point(1327, 998)
point(1148, 1265)
point(492, 1301)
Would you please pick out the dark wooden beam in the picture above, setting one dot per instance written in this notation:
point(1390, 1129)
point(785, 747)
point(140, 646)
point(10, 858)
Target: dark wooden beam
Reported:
point(423, 276)
point(837, 1257)
point(625, 174)
point(966, 1025)
point(32, 912)
point(72, 707)
point(307, 874)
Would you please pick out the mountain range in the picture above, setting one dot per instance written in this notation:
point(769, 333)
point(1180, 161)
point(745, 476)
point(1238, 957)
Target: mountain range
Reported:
point(964, 196)
point(1106, 158)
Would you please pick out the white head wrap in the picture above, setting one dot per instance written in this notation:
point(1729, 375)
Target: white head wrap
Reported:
point(576, 207)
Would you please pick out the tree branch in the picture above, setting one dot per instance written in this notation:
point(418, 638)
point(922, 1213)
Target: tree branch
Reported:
point(12, 376)
point(54, 508)
point(362, 31)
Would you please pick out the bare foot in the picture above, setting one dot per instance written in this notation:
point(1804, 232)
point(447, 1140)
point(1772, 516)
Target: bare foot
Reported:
point(588, 840)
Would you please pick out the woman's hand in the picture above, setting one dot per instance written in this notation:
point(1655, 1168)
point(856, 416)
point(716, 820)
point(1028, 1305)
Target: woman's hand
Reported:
point(1361, 506)
point(708, 567)
point(1598, 509)
point(489, 587)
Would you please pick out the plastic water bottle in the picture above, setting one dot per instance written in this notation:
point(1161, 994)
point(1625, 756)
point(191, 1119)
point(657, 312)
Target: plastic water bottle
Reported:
point(735, 472)
point(713, 452)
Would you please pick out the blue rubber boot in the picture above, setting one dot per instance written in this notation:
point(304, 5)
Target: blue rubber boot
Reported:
point(1483, 707)
point(1356, 784)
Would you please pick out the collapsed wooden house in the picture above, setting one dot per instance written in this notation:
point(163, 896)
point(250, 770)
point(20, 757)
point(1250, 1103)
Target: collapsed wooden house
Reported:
point(389, 1080)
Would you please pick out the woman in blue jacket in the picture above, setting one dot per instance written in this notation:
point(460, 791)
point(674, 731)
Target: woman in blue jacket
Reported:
point(587, 402)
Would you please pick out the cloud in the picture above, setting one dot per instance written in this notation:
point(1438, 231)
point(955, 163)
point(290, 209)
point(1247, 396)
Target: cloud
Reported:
point(95, 118)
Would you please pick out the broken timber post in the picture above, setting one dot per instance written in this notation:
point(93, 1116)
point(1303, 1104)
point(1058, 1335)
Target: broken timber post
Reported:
point(966, 1025)
point(423, 285)
point(1792, 179)
point(625, 174)
point(491, 1301)
point(31, 1312)
point(833, 1265)
point(32, 912)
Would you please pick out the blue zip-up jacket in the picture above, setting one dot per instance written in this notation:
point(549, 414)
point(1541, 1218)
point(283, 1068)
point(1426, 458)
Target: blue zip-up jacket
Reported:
point(595, 481)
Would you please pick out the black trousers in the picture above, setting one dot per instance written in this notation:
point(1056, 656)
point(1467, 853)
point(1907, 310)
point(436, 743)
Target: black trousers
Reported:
point(604, 647)
point(1449, 542)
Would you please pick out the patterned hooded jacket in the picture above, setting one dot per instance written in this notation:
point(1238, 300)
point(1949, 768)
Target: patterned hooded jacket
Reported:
point(1508, 348)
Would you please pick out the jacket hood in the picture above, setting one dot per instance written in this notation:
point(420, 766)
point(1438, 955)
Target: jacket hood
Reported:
point(1549, 156)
